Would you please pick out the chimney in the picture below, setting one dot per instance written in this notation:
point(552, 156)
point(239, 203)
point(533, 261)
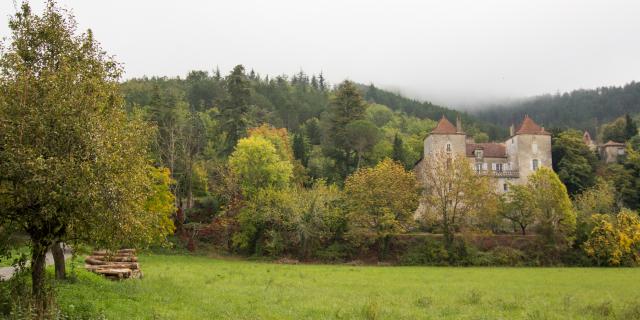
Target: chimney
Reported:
point(458, 124)
point(511, 130)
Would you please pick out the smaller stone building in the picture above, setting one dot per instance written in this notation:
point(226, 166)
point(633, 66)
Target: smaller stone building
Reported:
point(610, 152)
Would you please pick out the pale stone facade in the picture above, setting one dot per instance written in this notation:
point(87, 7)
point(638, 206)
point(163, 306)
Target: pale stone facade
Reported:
point(509, 162)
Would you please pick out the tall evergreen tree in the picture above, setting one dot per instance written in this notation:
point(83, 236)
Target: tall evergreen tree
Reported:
point(346, 106)
point(301, 149)
point(398, 150)
point(630, 128)
point(236, 107)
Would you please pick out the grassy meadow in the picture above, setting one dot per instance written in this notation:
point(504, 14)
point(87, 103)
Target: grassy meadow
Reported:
point(196, 287)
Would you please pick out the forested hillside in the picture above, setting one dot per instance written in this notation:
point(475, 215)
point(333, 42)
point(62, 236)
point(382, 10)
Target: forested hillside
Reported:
point(203, 115)
point(286, 101)
point(579, 109)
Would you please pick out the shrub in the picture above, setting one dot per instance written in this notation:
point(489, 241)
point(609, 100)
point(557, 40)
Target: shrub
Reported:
point(614, 242)
point(336, 252)
point(499, 256)
point(428, 252)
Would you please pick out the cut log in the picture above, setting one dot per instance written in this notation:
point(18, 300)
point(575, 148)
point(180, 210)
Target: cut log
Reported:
point(115, 265)
point(123, 259)
point(94, 261)
point(120, 273)
point(102, 254)
point(118, 252)
point(112, 259)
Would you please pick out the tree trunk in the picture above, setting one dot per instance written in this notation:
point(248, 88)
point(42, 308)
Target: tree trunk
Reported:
point(38, 264)
point(524, 232)
point(58, 260)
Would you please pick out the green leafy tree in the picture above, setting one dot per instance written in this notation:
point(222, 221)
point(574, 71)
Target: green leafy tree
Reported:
point(626, 179)
point(599, 199)
point(556, 218)
point(258, 165)
point(614, 131)
point(574, 162)
point(519, 207)
point(362, 136)
point(380, 115)
point(380, 202)
point(73, 166)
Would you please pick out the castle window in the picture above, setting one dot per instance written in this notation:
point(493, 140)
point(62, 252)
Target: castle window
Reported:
point(534, 164)
point(505, 187)
point(498, 167)
point(448, 147)
point(479, 154)
point(620, 151)
point(534, 147)
point(479, 167)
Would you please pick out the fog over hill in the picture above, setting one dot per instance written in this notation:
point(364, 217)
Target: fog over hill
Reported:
point(458, 53)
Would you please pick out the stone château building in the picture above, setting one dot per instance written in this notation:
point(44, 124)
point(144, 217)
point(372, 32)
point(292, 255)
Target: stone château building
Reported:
point(610, 152)
point(512, 161)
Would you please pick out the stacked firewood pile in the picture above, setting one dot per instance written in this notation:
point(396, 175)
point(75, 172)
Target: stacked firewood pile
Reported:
point(122, 264)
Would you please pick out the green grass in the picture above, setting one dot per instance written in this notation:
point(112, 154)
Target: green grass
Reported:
point(189, 287)
point(15, 253)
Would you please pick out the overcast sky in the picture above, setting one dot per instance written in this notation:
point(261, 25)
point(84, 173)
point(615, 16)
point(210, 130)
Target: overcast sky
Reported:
point(450, 52)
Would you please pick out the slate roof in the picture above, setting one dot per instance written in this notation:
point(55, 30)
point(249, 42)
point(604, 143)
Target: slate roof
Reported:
point(490, 150)
point(529, 126)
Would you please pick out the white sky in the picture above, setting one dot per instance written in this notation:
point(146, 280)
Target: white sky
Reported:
point(451, 52)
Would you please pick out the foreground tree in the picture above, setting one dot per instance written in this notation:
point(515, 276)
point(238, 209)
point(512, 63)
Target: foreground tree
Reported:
point(453, 193)
point(519, 207)
point(73, 166)
point(600, 199)
point(380, 202)
point(554, 210)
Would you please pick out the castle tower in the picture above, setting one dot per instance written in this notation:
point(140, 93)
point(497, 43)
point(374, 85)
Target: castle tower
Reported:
point(529, 148)
point(445, 138)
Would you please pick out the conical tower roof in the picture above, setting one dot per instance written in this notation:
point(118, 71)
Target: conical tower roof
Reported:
point(444, 127)
point(529, 126)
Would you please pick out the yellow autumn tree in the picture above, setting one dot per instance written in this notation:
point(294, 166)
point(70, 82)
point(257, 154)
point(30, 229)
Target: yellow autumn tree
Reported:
point(616, 242)
point(453, 194)
point(380, 202)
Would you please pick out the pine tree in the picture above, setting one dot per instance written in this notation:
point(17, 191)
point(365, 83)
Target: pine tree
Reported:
point(321, 82)
point(630, 128)
point(347, 106)
point(301, 149)
point(398, 150)
point(236, 107)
